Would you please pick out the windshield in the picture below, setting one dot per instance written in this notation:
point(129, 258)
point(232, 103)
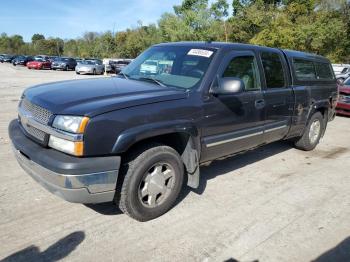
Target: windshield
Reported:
point(344, 70)
point(87, 62)
point(61, 59)
point(176, 66)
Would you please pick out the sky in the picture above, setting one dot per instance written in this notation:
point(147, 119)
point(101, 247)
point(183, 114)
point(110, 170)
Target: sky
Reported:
point(71, 18)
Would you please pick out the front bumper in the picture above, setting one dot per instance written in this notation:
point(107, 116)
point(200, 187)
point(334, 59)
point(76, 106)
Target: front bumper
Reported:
point(84, 70)
point(78, 180)
point(343, 109)
point(58, 66)
point(34, 66)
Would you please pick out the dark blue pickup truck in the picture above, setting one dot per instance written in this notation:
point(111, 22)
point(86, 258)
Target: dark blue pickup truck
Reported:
point(135, 138)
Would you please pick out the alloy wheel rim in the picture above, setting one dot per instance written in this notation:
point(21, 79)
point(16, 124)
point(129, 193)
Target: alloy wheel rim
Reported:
point(156, 185)
point(314, 132)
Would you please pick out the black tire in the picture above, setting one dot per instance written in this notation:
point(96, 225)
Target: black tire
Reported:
point(305, 142)
point(67, 68)
point(136, 169)
point(94, 72)
point(77, 73)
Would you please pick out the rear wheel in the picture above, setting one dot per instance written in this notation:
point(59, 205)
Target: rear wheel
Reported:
point(312, 133)
point(152, 182)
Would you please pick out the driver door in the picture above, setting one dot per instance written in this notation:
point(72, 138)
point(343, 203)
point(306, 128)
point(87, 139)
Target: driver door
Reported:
point(234, 121)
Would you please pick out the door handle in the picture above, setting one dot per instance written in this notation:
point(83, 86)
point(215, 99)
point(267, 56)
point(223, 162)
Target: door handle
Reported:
point(259, 104)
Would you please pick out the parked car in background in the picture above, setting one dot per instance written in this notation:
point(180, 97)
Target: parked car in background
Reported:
point(149, 67)
point(43, 57)
point(94, 67)
point(78, 60)
point(341, 71)
point(39, 63)
point(7, 58)
point(343, 105)
point(64, 63)
point(52, 58)
point(344, 74)
point(117, 66)
point(22, 60)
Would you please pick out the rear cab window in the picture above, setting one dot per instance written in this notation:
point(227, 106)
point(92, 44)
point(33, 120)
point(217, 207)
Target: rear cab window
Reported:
point(310, 70)
point(324, 71)
point(304, 69)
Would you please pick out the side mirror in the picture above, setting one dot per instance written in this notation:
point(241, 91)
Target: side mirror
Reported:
point(228, 85)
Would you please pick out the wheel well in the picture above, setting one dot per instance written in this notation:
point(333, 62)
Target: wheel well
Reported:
point(177, 141)
point(323, 111)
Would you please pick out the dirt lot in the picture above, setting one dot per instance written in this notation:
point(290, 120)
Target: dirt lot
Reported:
point(272, 204)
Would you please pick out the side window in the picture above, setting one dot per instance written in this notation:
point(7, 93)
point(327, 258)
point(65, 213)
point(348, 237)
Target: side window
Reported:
point(245, 68)
point(273, 70)
point(324, 71)
point(304, 69)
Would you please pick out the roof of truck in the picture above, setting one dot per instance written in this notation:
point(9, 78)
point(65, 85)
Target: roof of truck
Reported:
point(219, 45)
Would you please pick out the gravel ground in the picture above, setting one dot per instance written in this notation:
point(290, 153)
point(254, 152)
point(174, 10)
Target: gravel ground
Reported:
point(272, 204)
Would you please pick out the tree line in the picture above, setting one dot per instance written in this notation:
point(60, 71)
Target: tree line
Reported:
point(317, 26)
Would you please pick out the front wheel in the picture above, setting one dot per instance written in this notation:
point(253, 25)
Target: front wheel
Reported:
point(312, 133)
point(153, 179)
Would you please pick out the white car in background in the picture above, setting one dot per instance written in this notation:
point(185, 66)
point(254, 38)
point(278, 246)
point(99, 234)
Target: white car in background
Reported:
point(93, 67)
point(342, 71)
point(149, 67)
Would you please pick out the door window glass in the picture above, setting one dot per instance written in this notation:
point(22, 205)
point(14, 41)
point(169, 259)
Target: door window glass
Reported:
point(245, 68)
point(273, 70)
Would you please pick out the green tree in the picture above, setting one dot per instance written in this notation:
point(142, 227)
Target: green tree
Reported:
point(37, 37)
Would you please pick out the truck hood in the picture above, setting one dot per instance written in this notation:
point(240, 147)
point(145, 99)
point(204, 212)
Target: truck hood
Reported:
point(91, 97)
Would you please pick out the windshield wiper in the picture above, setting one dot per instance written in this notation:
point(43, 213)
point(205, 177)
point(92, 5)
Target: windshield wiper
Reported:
point(124, 75)
point(158, 82)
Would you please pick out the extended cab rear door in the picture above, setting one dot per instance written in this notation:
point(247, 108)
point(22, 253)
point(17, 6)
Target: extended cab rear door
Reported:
point(277, 94)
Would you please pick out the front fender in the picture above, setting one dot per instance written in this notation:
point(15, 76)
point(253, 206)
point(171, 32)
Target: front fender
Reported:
point(191, 154)
point(133, 135)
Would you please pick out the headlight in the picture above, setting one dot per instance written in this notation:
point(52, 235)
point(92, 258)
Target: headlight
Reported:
point(72, 124)
point(70, 147)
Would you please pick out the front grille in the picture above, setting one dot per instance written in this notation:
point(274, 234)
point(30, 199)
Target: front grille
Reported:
point(38, 134)
point(40, 114)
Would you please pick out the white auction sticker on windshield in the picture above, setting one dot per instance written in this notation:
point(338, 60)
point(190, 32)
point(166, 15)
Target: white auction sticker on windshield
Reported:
point(200, 52)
